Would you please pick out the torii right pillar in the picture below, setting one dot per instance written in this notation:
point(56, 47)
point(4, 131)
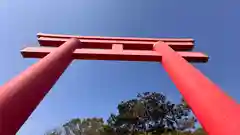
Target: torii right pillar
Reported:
point(218, 113)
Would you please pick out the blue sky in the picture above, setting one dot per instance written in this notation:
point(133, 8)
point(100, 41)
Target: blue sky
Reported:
point(94, 88)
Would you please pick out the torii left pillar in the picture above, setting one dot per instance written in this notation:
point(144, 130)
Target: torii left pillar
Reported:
point(27, 90)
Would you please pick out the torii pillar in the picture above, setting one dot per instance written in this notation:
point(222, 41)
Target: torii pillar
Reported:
point(217, 112)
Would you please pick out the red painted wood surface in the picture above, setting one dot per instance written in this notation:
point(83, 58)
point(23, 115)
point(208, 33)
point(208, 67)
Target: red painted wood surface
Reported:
point(117, 48)
point(109, 54)
point(116, 38)
point(216, 111)
point(107, 44)
point(21, 95)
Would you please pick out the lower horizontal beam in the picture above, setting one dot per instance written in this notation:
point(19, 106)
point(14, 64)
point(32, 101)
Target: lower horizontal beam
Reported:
point(108, 54)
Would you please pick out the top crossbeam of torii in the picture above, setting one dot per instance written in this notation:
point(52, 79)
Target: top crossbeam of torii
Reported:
point(114, 48)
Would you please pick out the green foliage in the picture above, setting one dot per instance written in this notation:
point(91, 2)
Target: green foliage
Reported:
point(200, 131)
point(149, 113)
point(89, 126)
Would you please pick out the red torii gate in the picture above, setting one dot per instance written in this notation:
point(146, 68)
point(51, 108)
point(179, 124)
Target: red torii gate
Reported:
point(217, 112)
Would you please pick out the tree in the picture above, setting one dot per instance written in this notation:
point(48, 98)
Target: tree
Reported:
point(89, 126)
point(54, 132)
point(151, 112)
point(200, 131)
